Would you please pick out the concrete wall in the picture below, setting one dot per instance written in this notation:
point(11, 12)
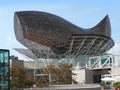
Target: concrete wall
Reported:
point(98, 88)
point(88, 76)
point(72, 87)
point(91, 73)
point(115, 71)
point(80, 76)
point(17, 63)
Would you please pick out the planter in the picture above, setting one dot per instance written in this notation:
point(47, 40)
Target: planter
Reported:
point(116, 88)
point(102, 88)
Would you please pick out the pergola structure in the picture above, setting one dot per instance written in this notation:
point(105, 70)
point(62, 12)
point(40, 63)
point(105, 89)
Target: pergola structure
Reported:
point(50, 36)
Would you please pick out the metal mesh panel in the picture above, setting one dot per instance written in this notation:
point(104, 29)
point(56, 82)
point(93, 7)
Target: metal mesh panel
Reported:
point(60, 36)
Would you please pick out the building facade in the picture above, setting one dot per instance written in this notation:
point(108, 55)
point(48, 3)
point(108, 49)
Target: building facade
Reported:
point(4, 70)
point(98, 67)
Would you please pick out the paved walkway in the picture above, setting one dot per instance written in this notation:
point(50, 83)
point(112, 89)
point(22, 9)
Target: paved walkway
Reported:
point(67, 87)
point(73, 87)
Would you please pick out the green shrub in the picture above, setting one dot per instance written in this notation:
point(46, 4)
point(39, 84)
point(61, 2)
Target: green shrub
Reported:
point(117, 84)
point(102, 83)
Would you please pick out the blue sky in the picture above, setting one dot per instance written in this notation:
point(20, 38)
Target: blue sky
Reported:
point(84, 13)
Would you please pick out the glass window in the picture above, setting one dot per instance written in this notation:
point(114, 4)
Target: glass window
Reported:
point(4, 70)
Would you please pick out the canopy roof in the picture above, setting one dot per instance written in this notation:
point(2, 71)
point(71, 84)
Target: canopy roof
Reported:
point(108, 79)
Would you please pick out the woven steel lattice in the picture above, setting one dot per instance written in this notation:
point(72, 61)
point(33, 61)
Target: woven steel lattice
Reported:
point(44, 31)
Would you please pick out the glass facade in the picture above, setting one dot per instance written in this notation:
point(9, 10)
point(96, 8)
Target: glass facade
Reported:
point(4, 70)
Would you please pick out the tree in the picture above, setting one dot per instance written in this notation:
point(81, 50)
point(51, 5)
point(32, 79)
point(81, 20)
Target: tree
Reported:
point(52, 74)
point(60, 74)
point(19, 79)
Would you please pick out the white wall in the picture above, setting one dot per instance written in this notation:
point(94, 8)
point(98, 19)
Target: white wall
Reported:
point(80, 75)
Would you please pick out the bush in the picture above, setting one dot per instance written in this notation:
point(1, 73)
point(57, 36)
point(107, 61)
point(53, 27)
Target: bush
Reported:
point(102, 83)
point(117, 85)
